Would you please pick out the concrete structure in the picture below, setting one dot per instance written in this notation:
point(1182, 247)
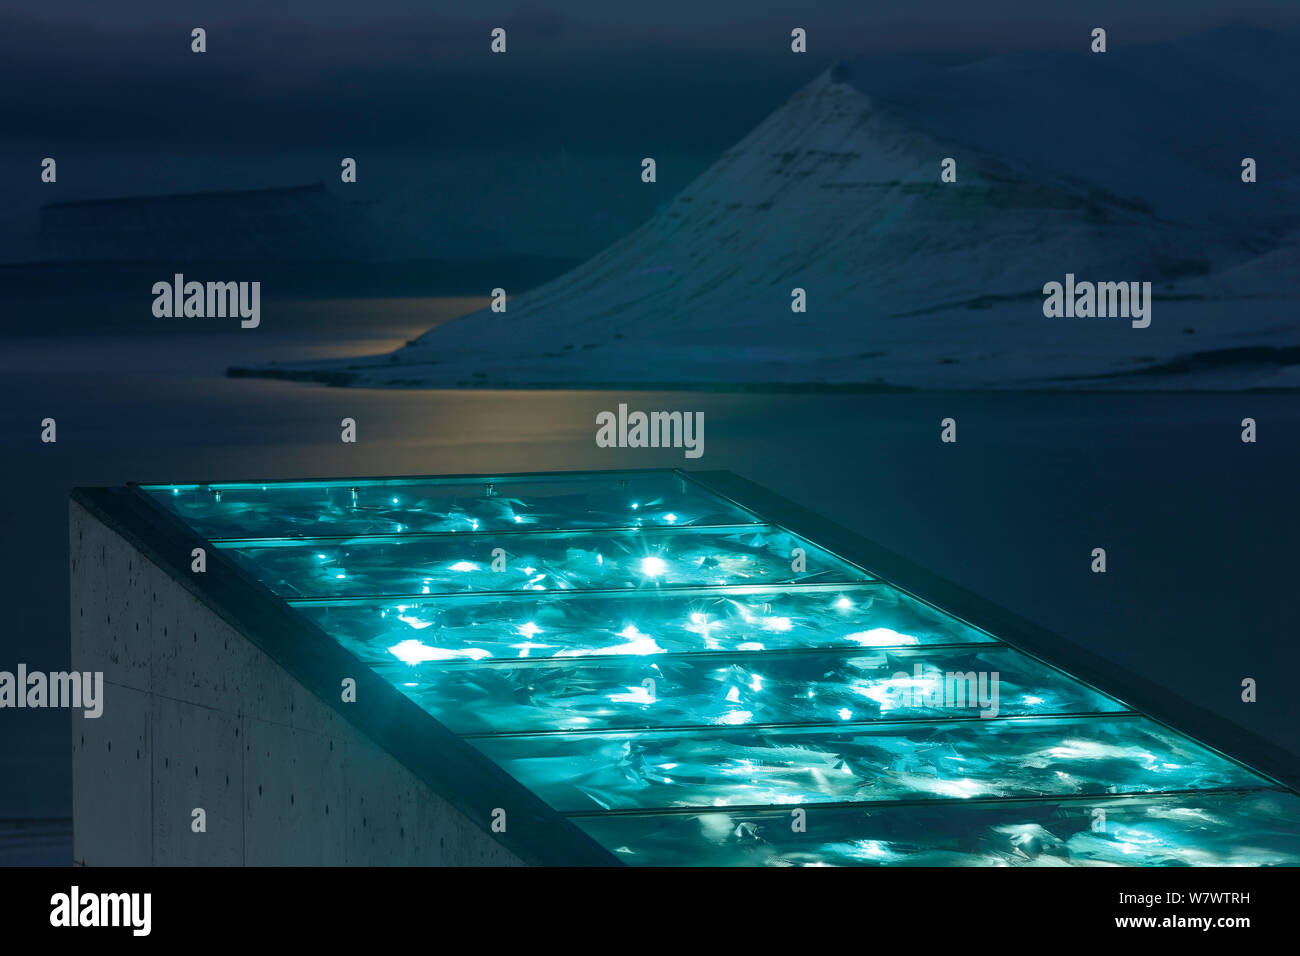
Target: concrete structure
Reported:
point(197, 716)
point(241, 727)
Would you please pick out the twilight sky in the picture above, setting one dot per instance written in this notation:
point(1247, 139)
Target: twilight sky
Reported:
point(418, 72)
point(539, 138)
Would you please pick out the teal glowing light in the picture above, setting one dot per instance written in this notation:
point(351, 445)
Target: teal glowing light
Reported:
point(651, 663)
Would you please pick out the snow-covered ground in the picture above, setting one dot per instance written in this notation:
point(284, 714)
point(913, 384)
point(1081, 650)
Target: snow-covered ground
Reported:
point(35, 842)
point(912, 282)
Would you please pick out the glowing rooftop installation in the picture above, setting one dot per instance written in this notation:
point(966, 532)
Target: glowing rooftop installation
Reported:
point(690, 682)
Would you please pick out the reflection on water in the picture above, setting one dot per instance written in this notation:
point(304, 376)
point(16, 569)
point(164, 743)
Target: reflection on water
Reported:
point(125, 336)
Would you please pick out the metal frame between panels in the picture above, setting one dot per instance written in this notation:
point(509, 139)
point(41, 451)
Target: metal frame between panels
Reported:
point(468, 779)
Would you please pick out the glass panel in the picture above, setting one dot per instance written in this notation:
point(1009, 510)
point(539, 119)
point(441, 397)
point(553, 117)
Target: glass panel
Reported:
point(1211, 829)
point(978, 758)
point(647, 646)
point(737, 689)
point(534, 625)
point(347, 508)
point(543, 561)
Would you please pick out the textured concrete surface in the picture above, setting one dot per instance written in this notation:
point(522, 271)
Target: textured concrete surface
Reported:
point(197, 716)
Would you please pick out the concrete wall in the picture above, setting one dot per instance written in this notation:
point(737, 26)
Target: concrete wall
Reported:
point(197, 716)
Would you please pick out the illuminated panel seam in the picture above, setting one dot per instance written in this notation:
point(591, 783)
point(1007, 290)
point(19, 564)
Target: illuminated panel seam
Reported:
point(725, 766)
point(356, 539)
point(934, 803)
point(543, 561)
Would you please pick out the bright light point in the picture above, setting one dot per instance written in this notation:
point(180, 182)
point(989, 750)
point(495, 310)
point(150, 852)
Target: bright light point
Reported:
point(414, 652)
point(637, 643)
point(394, 501)
point(634, 695)
point(733, 695)
point(464, 566)
point(1030, 699)
point(321, 556)
point(954, 788)
point(845, 713)
point(340, 576)
point(653, 567)
point(872, 848)
point(843, 603)
point(777, 624)
point(670, 517)
point(881, 637)
point(529, 630)
point(414, 622)
point(736, 718)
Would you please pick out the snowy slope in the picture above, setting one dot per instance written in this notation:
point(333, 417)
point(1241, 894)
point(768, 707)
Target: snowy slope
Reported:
point(910, 282)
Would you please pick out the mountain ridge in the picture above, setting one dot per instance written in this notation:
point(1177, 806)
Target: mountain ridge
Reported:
point(910, 282)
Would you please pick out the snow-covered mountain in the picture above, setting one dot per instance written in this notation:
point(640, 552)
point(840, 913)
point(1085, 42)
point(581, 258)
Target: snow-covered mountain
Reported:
point(910, 281)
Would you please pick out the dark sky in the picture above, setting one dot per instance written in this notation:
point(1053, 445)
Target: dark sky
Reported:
point(419, 73)
point(587, 87)
point(1022, 17)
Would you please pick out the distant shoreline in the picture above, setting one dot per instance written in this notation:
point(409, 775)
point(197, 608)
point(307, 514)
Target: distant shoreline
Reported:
point(313, 279)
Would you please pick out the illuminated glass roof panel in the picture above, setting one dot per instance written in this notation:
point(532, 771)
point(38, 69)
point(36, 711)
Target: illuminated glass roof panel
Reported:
point(546, 561)
point(654, 690)
point(444, 505)
point(739, 766)
point(574, 624)
point(675, 673)
point(1253, 828)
